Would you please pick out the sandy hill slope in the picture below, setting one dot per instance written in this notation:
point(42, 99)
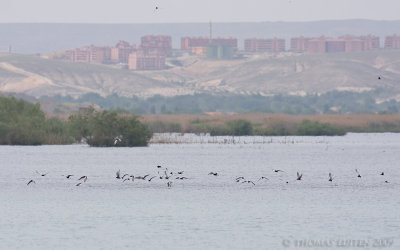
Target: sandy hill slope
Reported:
point(37, 77)
point(290, 73)
point(255, 74)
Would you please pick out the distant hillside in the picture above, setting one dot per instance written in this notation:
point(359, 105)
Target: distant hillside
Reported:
point(295, 74)
point(46, 38)
point(38, 77)
point(291, 74)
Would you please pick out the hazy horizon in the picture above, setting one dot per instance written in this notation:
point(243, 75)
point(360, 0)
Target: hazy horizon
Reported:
point(189, 11)
point(214, 22)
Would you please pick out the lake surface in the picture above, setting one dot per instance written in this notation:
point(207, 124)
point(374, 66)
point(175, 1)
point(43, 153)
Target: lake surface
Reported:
point(205, 211)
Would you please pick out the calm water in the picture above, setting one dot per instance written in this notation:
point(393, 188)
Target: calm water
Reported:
point(204, 211)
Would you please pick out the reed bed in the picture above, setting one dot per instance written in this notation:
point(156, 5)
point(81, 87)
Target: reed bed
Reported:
point(275, 122)
point(179, 138)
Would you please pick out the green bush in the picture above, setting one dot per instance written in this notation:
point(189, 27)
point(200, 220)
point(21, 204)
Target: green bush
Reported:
point(307, 127)
point(240, 127)
point(107, 129)
point(78, 124)
point(21, 123)
point(57, 132)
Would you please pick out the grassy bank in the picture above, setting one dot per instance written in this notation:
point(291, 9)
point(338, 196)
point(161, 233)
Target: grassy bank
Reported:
point(273, 124)
point(23, 123)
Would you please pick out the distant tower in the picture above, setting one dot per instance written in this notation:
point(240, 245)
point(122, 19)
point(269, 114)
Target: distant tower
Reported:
point(210, 39)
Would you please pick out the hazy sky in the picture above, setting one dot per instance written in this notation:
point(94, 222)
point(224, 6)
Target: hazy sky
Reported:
point(144, 11)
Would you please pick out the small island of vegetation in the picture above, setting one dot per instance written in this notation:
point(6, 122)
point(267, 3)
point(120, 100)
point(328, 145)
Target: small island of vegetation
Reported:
point(23, 123)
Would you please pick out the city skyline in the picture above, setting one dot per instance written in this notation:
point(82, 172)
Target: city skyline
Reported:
point(181, 11)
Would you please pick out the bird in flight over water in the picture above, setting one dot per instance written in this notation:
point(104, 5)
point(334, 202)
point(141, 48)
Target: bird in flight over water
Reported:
point(31, 181)
point(41, 174)
point(299, 176)
point(118, 174)
point(84, 178)
point(359, 176)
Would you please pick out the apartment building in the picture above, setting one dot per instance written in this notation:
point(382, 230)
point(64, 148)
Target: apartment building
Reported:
point(187, 43)
point(347, 43)
point(264, 45)
point(89, 54)
point(140, 60)
point(160, 44)
point(392, 42)
point(120, 53)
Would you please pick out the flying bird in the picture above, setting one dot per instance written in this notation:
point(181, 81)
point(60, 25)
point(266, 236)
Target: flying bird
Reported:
point(141, 177)
point(84, 178)
point(330, 177)
point(156, 7)
point(41, 174)
point(359, 176)
point(117, 140)
point(69, 176)
point(262, 177)
point(213, 173)
point(78, 184)
point(118, 174)
point(239, 178)
point(249, 182)
point(278, 170)
point(166, 175)
point(382, 173)
point(299, 176)
point(151, 178)
point(31, 181)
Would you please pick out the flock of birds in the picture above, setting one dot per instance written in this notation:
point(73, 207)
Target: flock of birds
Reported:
point(170, 176)
point(162, 174)
point(299, 177)
point(81, 180)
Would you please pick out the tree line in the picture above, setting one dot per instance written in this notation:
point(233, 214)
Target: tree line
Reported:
point(333, 102)
point(23, 123)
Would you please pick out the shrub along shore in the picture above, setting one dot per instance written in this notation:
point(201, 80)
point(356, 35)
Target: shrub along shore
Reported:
point(23, 123)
